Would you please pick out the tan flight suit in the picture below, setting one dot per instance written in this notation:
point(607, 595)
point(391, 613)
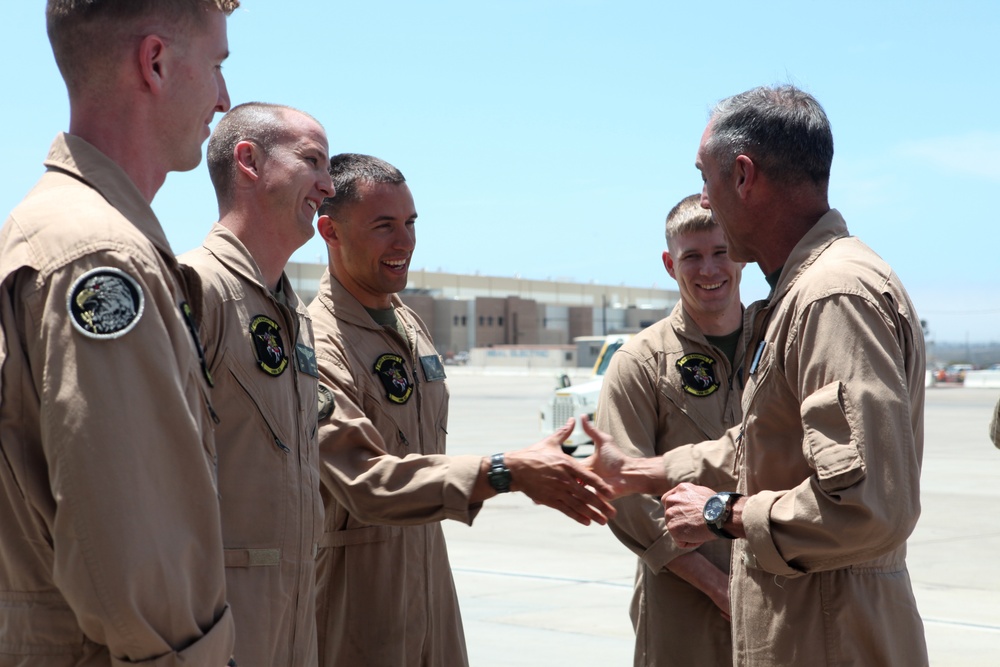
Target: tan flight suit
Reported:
point(386, 596)
point(260, 353)
point(830, 449)
point(668, 386)
point(110, 542)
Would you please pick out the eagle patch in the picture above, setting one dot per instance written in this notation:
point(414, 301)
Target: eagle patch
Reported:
point(267, 345)
point(391, 370)
point(698, 374)
point(105, 303)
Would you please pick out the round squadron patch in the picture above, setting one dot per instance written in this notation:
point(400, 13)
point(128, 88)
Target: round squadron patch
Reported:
point(698, 374)
point(105, 303)
point(391, 369)
point(267, 345)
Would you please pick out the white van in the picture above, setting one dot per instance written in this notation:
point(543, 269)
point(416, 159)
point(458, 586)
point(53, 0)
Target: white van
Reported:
point(580, 399)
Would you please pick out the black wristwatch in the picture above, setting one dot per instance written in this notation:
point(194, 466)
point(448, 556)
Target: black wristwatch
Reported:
point(717, 511)
point(498, 474)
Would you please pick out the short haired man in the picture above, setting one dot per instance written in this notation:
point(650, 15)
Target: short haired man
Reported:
point(110, 548)
point(386, 596)
point(829, 448)
point(675, 383)
point(270, 168)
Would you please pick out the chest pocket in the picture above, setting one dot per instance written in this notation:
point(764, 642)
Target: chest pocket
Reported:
point(260, 399)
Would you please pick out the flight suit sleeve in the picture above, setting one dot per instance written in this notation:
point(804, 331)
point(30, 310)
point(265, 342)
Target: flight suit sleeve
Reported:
point(848, 364)
point(373, 485)
point(627, 410)
point(135, 530)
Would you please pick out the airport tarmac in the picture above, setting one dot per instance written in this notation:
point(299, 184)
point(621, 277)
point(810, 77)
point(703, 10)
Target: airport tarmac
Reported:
point(538, 589)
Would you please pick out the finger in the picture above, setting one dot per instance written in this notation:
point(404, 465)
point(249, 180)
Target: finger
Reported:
point(588, 477)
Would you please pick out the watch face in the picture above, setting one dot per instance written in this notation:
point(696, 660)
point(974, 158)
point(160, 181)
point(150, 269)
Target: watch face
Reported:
point(714, 509)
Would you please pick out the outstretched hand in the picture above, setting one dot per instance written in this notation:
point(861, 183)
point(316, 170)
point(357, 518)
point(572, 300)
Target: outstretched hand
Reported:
point(549, 477)
point(608, 461)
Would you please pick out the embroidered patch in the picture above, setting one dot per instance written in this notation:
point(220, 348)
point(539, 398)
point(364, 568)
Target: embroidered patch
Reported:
point(392, 371)
point(698, 374)
point(267, 345)
point(105, 303)
point(433, 369)
point(325, 407)
point(306, 358)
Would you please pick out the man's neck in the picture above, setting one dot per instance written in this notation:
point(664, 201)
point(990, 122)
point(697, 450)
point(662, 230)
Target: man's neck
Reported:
point(120, 139)
point(721, 324)
point(271, 258)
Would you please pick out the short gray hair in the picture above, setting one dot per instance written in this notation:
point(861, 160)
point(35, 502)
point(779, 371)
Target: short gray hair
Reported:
point(784, 131)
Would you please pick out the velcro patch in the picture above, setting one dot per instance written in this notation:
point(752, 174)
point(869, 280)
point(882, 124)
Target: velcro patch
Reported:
point(105, 303)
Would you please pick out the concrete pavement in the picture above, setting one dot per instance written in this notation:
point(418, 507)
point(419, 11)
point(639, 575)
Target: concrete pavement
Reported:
point(538, 589)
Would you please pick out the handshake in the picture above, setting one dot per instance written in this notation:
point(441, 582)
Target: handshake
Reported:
point(583, 489)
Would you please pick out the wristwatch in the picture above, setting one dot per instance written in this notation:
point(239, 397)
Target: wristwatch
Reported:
point(498, 474)
point(717, 511)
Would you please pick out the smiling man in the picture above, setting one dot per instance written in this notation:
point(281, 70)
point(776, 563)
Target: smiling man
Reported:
point(676, 383)
point(829, 448)
point(270, 168)
point(386, 596)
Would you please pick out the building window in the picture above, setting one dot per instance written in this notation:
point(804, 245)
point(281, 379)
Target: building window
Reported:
point(464, 322)
point(500, 321)
point(482, 320)
point(489, 320)
point(456, 320)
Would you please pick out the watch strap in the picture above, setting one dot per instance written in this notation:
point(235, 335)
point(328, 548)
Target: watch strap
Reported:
point(499, 474)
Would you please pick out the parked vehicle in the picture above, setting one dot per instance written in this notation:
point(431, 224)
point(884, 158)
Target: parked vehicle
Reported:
point(580, 399)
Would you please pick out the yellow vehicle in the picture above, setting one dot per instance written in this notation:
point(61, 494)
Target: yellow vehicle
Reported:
point(580, 399)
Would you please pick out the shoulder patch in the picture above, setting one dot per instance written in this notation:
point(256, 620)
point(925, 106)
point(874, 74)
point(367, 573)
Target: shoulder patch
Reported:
point(105, 303)
point(698, 374)
point(391, 370)
point(267, 345)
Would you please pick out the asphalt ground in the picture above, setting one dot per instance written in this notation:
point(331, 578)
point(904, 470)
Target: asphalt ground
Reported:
point(538, 589)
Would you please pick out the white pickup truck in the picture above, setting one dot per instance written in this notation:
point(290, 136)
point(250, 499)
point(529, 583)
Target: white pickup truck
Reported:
point(579, 399)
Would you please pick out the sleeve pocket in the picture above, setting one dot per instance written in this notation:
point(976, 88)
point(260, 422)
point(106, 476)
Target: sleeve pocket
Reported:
point(827, 443)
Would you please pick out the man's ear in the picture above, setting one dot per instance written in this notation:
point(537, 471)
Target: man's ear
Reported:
point(247, 156)
point(668, 263)
point(745, 175)
point(327, 230)
point(153, 61)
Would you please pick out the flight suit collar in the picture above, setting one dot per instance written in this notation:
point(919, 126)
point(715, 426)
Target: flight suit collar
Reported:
point(231, 252)
point(344, 306)
point(82, 160)
point(827, 229)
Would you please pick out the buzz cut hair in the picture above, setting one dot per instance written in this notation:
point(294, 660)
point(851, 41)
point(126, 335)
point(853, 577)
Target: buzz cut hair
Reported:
point(350, 170)
point(261, 123)
point(688, 216)
point(88, 35)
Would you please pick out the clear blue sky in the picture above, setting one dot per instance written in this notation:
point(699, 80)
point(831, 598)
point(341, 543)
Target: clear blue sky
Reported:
point(549, 138)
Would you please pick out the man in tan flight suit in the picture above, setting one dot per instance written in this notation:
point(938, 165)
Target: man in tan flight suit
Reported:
point(270, 168)
point(829, 449)
point(386, 596)
point(110, 538)
point(674, 383)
